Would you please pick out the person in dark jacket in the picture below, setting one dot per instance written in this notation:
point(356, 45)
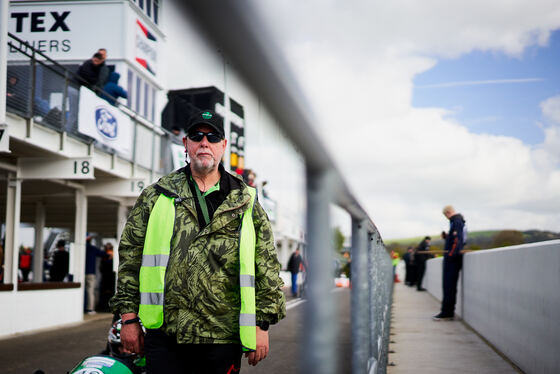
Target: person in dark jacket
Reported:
point(92, 253)
point(108, 277)
point(294, 264)
point(113, 89)
point(452, 262)
point(89, 70)
point(104, 70)
point(61, 261)
point(410, 267)
point(420, 259)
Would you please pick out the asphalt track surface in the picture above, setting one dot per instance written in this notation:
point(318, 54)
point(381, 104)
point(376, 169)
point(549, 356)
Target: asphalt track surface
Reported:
point(59, 350)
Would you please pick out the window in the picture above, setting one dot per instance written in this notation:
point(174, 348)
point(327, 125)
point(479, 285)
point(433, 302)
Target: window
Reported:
point(138, 93)
point(141, 95)
point(146, 99)
point(156, 8)
point(150, 8)
point(129, 88)
point(152, 117)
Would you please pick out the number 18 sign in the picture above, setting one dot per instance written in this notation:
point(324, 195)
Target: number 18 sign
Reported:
point(51, 168)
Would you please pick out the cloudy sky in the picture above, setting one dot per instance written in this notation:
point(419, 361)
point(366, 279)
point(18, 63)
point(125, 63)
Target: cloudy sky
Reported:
point(428, 103)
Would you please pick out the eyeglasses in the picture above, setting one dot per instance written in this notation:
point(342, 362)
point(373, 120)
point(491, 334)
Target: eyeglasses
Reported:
point(196, 136)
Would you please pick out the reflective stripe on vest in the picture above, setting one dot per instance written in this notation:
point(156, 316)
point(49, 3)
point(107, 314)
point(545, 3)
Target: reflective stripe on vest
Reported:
point(247, 245)
point(154, 261)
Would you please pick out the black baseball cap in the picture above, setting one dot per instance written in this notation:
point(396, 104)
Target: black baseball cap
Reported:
point(207, 117)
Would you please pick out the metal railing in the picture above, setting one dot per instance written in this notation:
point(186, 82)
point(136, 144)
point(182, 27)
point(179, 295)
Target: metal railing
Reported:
point(46, 91)
point(236, 28)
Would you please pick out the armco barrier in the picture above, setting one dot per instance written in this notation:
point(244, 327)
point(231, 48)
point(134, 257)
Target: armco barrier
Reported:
point(511, 297)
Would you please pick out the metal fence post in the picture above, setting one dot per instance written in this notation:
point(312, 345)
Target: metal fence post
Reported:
point(360, 298)
point(319, 335)
point(373, 304)
point(64, 98)
point(30, 107)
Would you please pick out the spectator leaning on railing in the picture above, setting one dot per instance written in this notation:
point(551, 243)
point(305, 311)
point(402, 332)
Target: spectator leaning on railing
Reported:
point(89, 70)
point(112, 90)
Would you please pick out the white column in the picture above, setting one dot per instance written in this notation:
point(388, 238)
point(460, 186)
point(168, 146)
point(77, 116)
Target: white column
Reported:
point(13, 211)
point(40, 217)
point(80, 236)
point(4, 10)
point(122, 215)
point(286, 250)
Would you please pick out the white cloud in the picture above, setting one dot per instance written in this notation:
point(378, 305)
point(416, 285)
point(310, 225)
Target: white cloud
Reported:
point(356, 61)
point(483, 82)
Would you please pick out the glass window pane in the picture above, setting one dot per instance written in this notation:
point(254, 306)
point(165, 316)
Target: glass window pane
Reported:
point(153, 105)
point(156, 9)
point(138, 92)
point(146, 99)
point(129, 88)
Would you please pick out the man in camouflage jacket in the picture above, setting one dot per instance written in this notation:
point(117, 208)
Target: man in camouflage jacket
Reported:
point(202, 297)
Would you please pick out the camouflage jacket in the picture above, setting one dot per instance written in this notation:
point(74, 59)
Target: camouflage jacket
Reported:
point(202, 297)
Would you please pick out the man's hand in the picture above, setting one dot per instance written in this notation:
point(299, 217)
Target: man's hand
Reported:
point(132, 336)
point(262, 348)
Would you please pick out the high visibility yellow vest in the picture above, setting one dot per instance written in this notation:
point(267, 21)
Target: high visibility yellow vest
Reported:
point(155, 257)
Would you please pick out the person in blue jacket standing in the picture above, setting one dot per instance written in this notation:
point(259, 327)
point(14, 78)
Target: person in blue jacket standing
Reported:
point(113, 89)
point(452, 262)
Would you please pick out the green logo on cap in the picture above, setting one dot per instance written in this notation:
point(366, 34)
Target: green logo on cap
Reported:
point(206, 115)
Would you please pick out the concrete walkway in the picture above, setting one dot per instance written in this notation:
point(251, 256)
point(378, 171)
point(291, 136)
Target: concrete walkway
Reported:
point(421, 345)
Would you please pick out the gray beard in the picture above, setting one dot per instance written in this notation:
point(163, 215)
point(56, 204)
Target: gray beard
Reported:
point(199, 168)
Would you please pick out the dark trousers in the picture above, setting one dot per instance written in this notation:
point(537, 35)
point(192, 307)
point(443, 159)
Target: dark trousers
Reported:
point(165, 356)
point(420, 270)
point(410, 277)
point(450, 277)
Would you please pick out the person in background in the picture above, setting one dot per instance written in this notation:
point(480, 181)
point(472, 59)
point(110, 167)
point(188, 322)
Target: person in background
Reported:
point(251, 178)
point(25, 258)
point(395, 259)
point(88, 72)
point(421, 259)
point(452, 262)
point(107, 284)
point(15, 95)
point(294, 265)
point(104, 71)
point(410, 267)
point(61, 262)
point(112, 90)
point(92, 252)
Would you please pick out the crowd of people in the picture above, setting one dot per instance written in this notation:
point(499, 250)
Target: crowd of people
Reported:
point(415, 263)
point(56, 266)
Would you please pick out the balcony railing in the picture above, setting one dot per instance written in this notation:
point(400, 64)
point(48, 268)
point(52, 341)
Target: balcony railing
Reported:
point(47, 92)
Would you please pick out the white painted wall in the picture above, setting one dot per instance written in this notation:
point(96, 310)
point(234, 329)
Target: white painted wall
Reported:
point(25, 311)
point(512, 299)
point(190, 61)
